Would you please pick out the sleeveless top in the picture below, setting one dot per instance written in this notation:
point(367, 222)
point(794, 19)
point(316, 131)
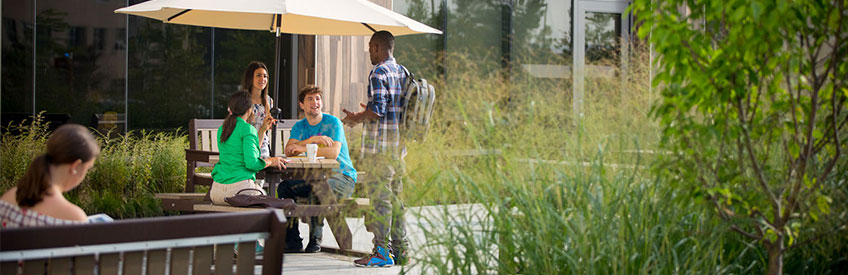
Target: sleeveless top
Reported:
point(259, 113)
point(12, 216)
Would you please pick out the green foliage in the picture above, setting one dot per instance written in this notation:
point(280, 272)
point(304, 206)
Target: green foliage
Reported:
point(753, 109)
point(510, 183)
point(17, 151)
point(129, 170)
point(557, 196)
point(549, 219)
point(480, 116)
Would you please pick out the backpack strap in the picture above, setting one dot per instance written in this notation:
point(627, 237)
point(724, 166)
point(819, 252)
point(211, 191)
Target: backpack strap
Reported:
point(405, 96)
point(409, 78)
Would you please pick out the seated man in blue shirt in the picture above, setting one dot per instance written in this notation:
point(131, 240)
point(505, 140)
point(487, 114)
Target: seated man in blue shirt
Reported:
point(328, 132)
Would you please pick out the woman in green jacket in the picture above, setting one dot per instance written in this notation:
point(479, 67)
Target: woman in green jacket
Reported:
point(238, 145)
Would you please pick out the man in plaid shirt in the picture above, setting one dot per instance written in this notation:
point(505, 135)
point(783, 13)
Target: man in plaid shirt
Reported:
point(382, 153)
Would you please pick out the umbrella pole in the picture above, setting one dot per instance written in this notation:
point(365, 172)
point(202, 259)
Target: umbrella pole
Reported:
point(276, 88)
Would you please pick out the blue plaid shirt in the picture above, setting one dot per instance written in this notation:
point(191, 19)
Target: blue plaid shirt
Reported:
point(385, 85)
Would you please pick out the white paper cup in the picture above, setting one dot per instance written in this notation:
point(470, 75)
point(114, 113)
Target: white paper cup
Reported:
point(312, 152)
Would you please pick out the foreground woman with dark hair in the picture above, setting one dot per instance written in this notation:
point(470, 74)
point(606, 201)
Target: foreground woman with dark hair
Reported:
point(37, 199)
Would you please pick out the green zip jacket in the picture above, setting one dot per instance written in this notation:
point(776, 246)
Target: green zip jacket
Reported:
point(239, 158)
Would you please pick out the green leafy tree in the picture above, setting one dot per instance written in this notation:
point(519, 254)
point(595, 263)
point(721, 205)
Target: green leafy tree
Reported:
point(753, 108)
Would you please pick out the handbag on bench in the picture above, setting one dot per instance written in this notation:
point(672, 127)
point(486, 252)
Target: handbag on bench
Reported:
point(263, 201)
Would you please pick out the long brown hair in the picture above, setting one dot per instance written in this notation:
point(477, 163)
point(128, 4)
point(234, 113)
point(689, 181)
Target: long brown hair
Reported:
point(239, 105)
point(247, 83)
point(69, 143)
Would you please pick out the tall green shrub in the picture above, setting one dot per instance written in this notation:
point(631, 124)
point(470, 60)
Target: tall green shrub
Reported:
point(18, 150)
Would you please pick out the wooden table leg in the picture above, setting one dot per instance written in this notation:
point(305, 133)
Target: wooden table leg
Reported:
point(338, 224)
point(273, 179)
point(341, 231)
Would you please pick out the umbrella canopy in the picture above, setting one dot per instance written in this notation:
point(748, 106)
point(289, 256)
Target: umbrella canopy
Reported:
point(316, 17)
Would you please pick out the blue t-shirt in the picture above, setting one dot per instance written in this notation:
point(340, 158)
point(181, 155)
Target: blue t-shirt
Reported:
point(330, 126)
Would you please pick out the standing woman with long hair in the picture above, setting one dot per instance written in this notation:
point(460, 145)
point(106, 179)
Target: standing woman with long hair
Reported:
point(37, 199)
point(255, 82)
point(238, 146)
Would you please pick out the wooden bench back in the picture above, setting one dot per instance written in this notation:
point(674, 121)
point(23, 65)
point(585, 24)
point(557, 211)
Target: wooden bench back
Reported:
point(205, 240)
point(205, 137)
point(203, 143)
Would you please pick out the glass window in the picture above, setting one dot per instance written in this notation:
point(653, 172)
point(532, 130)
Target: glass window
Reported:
point(99, 39)
point(120, 39)
point(76, 37)
point(542, 38)
point(17, 60)
point(234, 50)
point(421, 53)
point(603, 33)
point(73, 76)
point(474, 35)
point(169, 74)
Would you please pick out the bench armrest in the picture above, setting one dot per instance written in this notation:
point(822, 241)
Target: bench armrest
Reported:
point(198, 155)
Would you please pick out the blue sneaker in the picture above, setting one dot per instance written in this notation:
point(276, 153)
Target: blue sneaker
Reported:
point(379, 258)
point(259, 249)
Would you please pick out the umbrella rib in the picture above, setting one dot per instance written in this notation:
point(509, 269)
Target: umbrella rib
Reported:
point(369, 27)
point(177, 15)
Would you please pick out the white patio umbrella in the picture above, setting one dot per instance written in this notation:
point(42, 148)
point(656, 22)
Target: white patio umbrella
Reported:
point(316, 17)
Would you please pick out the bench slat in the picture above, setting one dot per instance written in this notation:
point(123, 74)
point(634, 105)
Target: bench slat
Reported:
point(205, 141)
point(208, 207)
point(179, 260)
point(214, 137)
point(181, 196)
point(59, 266)
point(179, 205)
point(9, 267)
point(202, 260)
point(109, 264)
point(156, 261)
point(224, 259)
point(132, 262)
point(84, 265)
point(281, 140)
point(34, 267)
point(246, 256)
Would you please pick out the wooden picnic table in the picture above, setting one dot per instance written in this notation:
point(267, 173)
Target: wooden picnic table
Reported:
point(299, 168)
point(314, 173)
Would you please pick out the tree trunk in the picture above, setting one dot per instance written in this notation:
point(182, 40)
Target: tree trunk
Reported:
point(775, 253)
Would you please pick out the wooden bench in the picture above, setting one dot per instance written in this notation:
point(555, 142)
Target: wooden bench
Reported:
point(203, 144)
point(199, 243)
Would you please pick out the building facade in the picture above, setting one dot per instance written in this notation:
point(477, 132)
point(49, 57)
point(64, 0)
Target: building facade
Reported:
point(79, 58)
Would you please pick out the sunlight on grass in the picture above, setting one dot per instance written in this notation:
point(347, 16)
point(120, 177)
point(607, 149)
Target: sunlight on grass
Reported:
point(549, 194)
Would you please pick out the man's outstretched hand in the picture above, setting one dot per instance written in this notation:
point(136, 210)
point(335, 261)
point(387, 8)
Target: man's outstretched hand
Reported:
point(352, 119)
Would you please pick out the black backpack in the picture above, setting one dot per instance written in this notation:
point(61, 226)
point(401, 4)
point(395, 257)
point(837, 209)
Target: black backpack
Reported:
point(418, 100)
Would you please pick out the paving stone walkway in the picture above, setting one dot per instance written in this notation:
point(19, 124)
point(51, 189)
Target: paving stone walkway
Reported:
point(327, 263)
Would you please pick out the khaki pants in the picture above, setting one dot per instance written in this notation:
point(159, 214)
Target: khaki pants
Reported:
point(384, 184)
point(220, 191)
